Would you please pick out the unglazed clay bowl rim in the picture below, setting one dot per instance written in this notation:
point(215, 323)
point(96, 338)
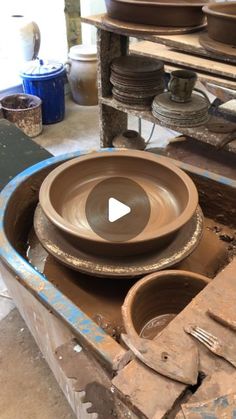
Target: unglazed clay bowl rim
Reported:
point(213, 9)
point(137, 288)
point(180, 3)
point(164, 231)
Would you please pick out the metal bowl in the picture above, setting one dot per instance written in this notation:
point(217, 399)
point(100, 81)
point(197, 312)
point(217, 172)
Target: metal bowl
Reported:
point(157, 298)
point(171, 195)
point(158, 13)
point(221, 20)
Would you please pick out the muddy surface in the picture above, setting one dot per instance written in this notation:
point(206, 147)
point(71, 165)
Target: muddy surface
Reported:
point(101, 299)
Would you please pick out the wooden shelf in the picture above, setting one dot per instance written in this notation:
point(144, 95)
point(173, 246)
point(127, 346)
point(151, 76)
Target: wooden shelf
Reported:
point(186, 42)
point(227, 72)
point(187, 53)
point(200, 133)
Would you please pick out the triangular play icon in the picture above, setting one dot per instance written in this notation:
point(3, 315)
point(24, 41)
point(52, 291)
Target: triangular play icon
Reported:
point(117, 210)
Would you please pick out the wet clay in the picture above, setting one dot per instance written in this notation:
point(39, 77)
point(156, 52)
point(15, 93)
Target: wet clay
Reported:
point(221, 20)
point(101, 299)
point(163, 13)
point(172, 196)
point(185, 241)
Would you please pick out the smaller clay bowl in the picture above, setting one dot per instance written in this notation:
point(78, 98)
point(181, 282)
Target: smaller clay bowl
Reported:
point(157, 298)
point(221, 19)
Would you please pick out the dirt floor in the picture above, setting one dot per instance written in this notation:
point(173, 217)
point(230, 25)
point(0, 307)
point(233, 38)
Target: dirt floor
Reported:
point(28, 388)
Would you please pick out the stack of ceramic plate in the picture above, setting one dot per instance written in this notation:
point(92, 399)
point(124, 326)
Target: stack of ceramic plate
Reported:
point(187, 114)
point(136, 80)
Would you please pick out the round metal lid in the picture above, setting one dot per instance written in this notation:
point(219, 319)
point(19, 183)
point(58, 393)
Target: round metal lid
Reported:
point(83, 52)
point(41, 68)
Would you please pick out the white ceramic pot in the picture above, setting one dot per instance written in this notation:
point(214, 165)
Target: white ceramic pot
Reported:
point(24, 38)
point(82, 74)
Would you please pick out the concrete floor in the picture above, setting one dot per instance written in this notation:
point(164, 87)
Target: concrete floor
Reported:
point(28, 389)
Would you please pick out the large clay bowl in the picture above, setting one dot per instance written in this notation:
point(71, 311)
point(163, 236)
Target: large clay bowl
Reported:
point(157, 13)
point(221, 19)
point(171, 195)
point(157, 298)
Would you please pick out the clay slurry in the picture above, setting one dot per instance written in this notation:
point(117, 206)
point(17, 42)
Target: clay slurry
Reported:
point(118, 209)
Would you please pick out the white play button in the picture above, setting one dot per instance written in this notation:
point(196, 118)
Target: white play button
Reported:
point(117, 210)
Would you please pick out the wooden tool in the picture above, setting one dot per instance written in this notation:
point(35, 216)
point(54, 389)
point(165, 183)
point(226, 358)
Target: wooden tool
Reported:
point(226, 316)
point(165, 359)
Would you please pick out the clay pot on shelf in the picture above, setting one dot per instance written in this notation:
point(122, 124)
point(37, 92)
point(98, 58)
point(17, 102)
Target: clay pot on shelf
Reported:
point(157, 298)
point(221, 20)
point(82, 74)
point(157, 13)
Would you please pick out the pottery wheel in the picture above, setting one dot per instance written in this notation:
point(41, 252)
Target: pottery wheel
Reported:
point(135, 28)
point(189, 114)
point(223, 51)
point(185, 241)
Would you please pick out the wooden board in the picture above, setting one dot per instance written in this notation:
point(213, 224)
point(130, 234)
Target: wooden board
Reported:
point(184, 42)
point(200, 133)
point(185, 60)
point(138, 29)
point(154, 394)
point(17, 152)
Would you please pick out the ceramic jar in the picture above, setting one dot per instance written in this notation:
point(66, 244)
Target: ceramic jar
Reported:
point(82, 74)
point(24, 40)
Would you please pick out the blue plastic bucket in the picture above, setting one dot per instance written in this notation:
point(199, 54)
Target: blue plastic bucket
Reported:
point(47, 82)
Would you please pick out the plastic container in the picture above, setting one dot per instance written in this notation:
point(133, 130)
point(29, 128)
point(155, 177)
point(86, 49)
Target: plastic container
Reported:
point(82, 74)
point(47, 82)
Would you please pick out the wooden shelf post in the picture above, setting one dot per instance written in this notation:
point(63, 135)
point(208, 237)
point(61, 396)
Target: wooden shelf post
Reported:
point(112, 121)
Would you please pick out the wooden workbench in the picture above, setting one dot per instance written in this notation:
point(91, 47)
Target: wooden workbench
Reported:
point(179, 50)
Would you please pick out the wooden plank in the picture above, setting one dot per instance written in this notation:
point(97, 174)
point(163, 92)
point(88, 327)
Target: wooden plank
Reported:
point(171, 56)
point(182, 42)
point(111, 120)
point(144, 387)
point(200, 133)
point(189, 43)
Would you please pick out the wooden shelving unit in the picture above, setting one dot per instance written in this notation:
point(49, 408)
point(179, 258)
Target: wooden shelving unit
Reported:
point(176, 51)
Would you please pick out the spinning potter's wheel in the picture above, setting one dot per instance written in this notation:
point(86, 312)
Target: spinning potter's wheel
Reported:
point(160, 199)
point(118, 214)
point(63, 250)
